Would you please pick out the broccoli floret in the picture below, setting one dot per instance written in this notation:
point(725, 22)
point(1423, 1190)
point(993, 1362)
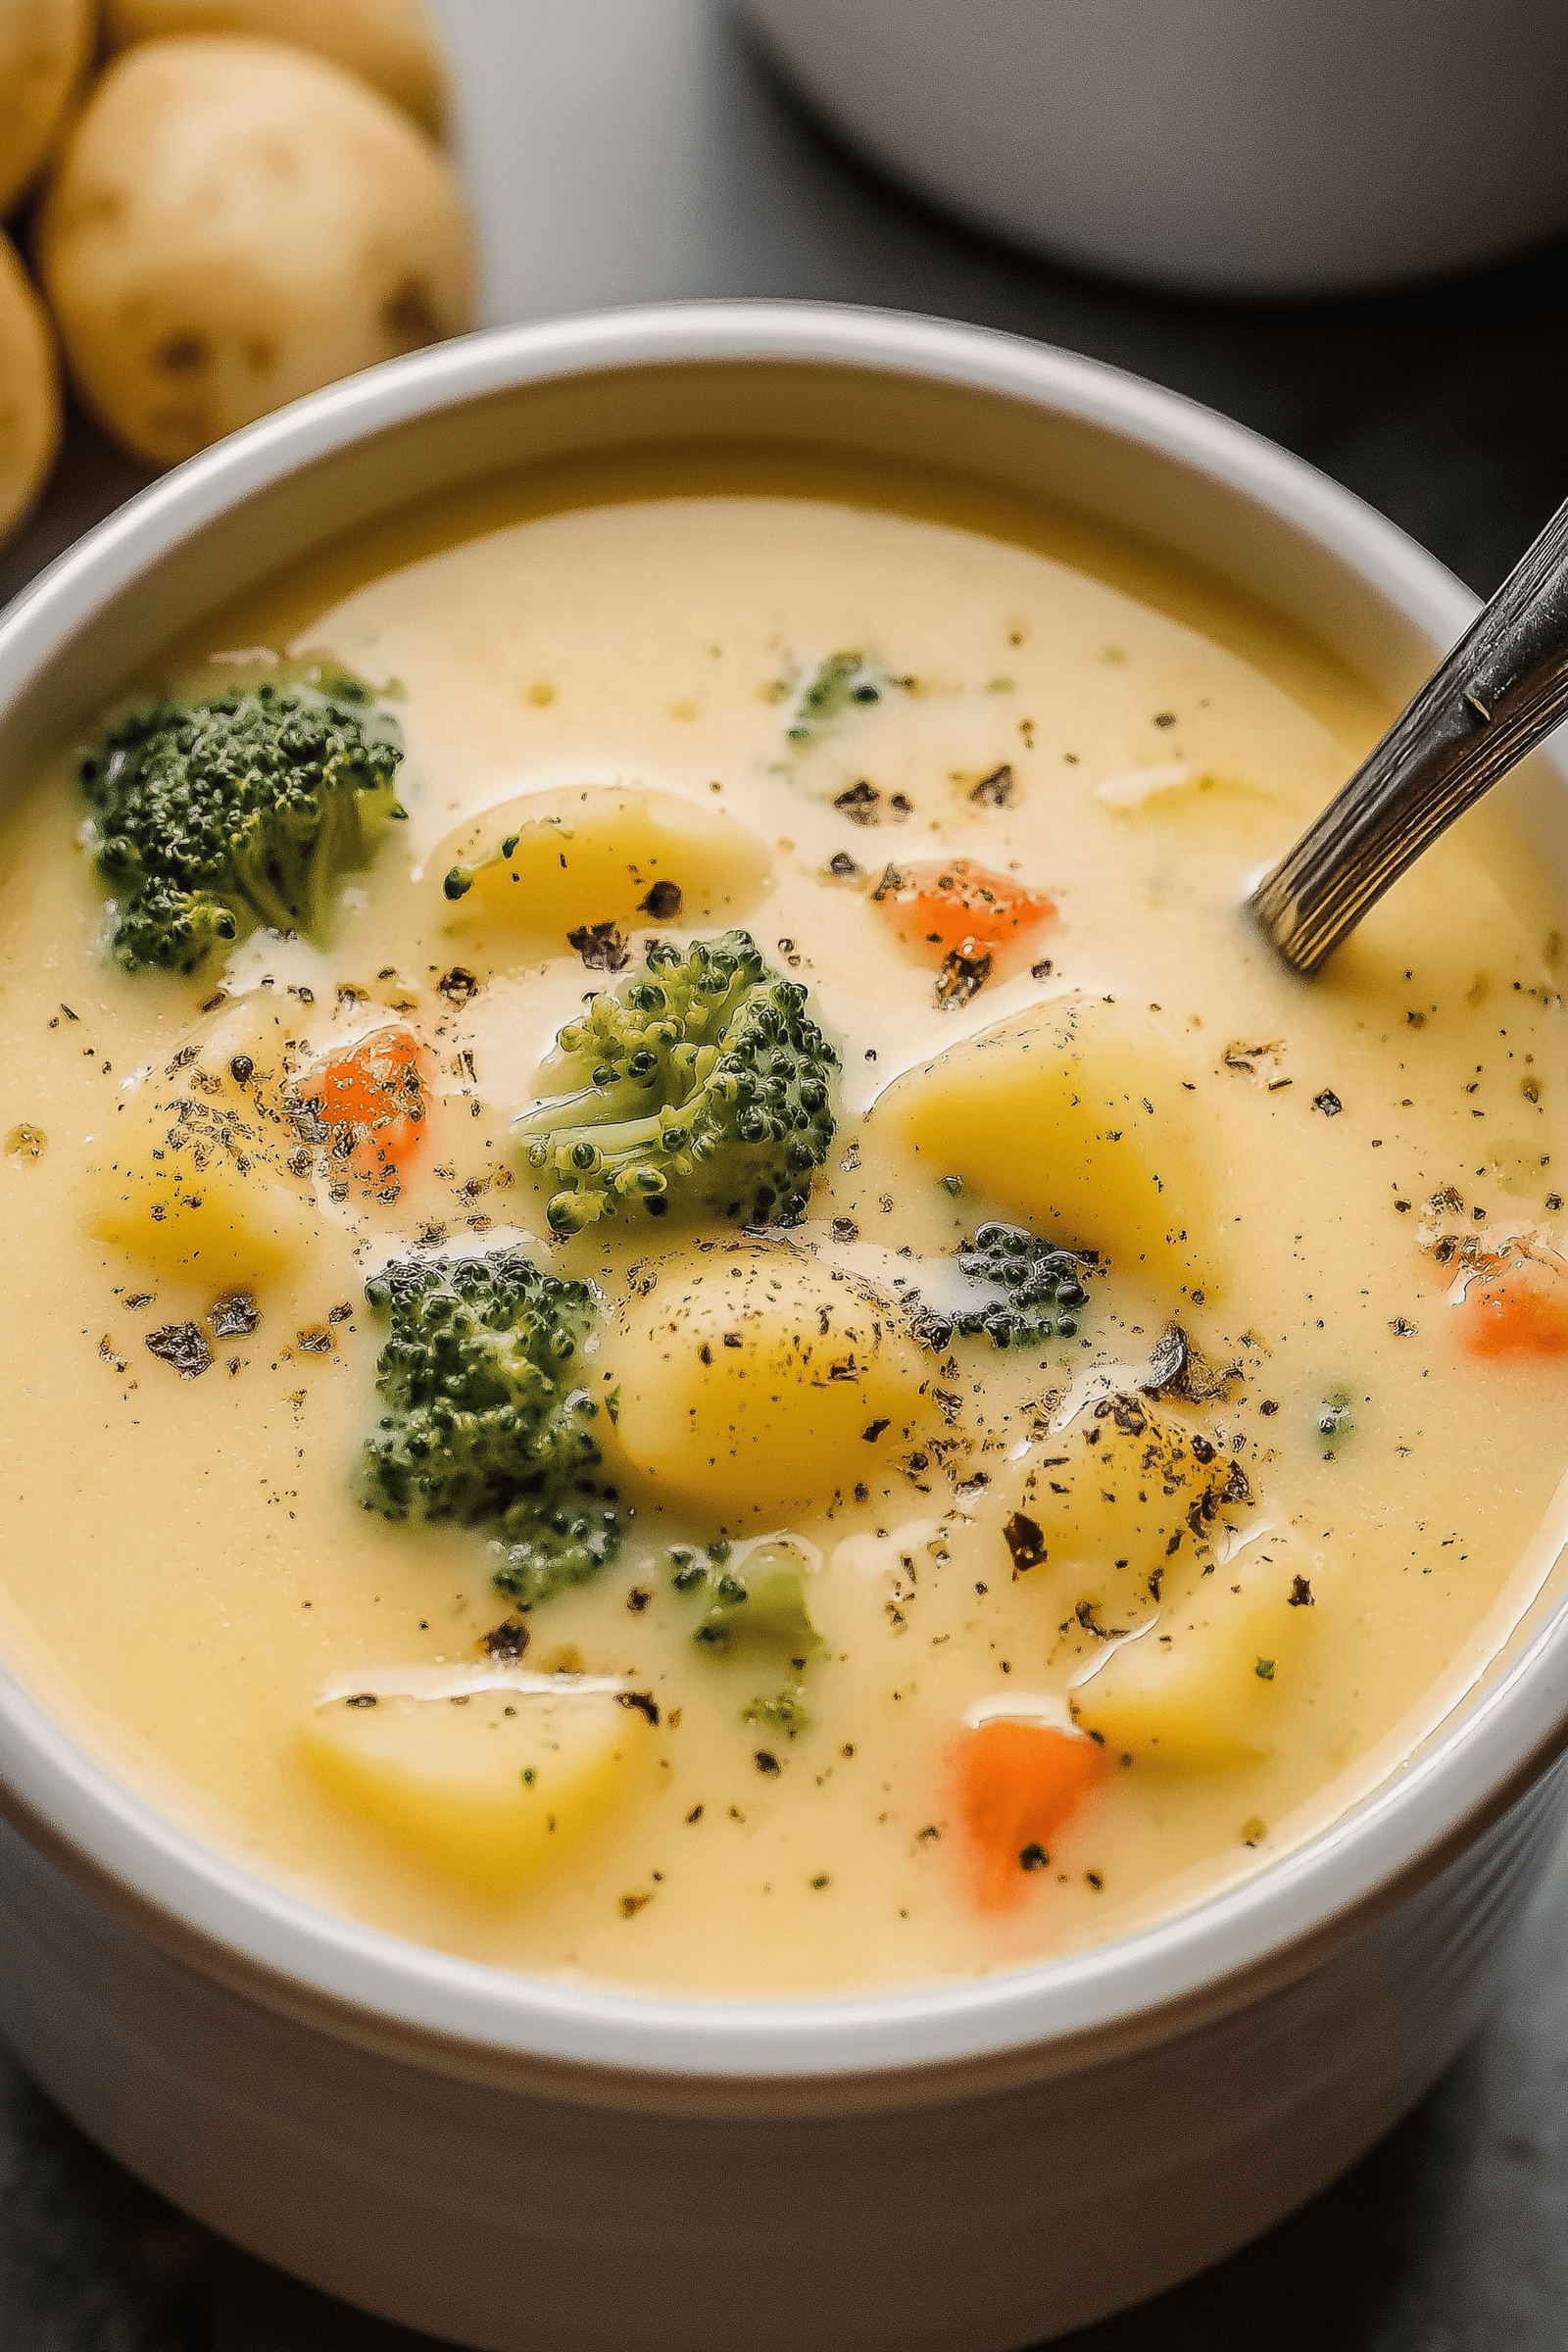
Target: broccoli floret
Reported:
point(840, 681)
point(761, 1605)
point(704, 1086)
point(1040, 1289)
point(837, 685)
point(489, 1421)
point(248, 808)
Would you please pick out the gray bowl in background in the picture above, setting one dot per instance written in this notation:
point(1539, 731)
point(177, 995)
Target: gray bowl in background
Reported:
point(1270, 147)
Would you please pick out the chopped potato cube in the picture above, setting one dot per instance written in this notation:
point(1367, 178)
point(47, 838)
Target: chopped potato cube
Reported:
point(1125, 1496)
point(190, 1173)
point(756, 1382)
point(558, 861)
point(1074, 1118)
point(1204, 1688)
point(488, 1789)
point(214, 1218)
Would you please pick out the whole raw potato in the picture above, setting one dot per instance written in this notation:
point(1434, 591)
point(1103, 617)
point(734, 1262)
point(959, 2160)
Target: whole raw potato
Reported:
point(233, 225)
point(43, 48)
point(30, 390)
point(392, 45)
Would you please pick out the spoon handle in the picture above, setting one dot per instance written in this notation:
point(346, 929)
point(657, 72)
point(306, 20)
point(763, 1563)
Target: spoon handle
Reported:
point(1502, 689)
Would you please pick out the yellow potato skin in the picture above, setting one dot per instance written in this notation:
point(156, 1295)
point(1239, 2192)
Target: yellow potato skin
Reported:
point(1205, 1688)
point(442, 1780)
point(30, 390)
point(392, 45)
point(45, 48)
point(752, 1382)
point(235, 223)
point(592, 855)
point(1072, 1119)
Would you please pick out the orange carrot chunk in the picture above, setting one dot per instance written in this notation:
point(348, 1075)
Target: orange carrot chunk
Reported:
point(1018, 1785)
point(1521, 1310)
point(935, 909)
point(372, 1103)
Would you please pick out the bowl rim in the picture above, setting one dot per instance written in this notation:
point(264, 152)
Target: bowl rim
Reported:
point(220, 1914)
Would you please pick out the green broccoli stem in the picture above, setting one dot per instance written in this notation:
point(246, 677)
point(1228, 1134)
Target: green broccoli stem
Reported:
point(604, 1107)
point(608, 1142)
point(257, 894)
point(339, 848)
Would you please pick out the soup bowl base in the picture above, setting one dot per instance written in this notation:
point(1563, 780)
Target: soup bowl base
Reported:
point(515, 2218)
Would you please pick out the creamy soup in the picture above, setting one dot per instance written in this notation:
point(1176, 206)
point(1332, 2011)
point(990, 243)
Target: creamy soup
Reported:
point(733, 1333)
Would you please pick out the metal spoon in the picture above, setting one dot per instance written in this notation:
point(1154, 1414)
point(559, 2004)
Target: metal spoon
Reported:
point(1503, 688)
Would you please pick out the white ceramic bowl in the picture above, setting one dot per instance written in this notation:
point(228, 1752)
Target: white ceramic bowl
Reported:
point(519, 2164)
point(1232, 146)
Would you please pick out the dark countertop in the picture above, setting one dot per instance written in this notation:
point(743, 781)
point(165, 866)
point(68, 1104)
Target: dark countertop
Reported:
point(634, 149)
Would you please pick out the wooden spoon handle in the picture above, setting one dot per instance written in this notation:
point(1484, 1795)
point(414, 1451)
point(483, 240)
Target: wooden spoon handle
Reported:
point(1503, 688)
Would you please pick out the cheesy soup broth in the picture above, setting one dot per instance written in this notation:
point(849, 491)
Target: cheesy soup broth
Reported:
point(1141, 1427)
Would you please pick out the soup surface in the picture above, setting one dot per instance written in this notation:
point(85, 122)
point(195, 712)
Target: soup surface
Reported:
point(958, 1408)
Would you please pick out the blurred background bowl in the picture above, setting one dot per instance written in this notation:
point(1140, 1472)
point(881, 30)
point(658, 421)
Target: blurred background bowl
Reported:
point(1253, 147)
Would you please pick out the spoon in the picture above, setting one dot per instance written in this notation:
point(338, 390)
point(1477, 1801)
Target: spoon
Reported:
point(1503, 688)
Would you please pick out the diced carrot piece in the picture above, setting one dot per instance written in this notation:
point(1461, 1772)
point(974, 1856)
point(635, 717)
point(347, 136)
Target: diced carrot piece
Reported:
point(1521, 1310)
point(935, 909)
point(373, 1101)
point(1018, 1785)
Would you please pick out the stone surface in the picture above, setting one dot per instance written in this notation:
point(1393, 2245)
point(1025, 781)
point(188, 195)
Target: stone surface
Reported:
point(623, 150)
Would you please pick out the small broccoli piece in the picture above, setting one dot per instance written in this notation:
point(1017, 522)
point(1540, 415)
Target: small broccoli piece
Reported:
point(840, 680)
point(1034, 1280)
point(784, 1713)
point(248, 808)
point(837, 685)
point(704, 1087)
point(690, 1570)
point(488, 1420)
point(1334, 1422)
point(761, 1605)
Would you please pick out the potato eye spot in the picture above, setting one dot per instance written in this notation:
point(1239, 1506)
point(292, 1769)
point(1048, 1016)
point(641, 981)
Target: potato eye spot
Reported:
point(409, 317)
point(182, 355)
